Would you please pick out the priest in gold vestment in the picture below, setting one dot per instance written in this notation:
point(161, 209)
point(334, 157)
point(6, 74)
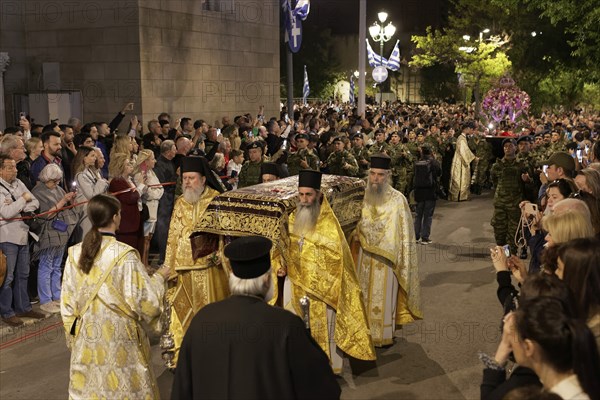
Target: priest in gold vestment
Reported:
point(383, 246)
point(460, 174)
point(321, 268)
point(201, 281)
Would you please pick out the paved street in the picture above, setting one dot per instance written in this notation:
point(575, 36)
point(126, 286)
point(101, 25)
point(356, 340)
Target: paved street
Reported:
point(433, 359)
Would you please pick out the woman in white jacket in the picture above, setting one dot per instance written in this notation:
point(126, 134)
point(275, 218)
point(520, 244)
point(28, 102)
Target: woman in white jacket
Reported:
point(146, 181)
point(88, 183)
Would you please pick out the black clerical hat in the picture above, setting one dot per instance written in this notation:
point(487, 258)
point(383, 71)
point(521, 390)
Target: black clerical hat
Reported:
point(270, 168)
point(309, 178)
point(249, 256)
point(193, 164)
point(380, 161)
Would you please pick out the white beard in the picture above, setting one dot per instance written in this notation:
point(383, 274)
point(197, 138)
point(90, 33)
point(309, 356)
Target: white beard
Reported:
point(192, 195)
point(306, 218)
point(375, 193)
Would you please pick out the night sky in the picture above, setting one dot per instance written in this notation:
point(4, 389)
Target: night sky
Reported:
point(409, 16)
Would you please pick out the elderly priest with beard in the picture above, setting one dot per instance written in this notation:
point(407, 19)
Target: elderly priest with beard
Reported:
point(321, 268)
point(242, 348)
point(203, 280)
point(385, 256)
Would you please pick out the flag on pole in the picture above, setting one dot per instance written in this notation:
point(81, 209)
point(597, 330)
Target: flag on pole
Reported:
point(351, 98)
point(293, 17)
point(393, 63)
point(306, 87)
point(374, 59)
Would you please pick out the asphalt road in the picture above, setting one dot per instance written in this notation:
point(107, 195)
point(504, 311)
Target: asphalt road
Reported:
point(435, 358)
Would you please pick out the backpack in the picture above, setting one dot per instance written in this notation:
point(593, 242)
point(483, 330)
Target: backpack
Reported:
point(423, 177)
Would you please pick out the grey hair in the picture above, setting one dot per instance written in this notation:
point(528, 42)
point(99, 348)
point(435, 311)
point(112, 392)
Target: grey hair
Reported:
point(250, 287)
point(165, 146)
point(50, 172)
point(9, 143)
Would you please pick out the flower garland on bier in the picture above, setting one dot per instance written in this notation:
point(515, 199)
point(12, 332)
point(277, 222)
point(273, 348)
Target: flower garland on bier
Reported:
point(506, 99)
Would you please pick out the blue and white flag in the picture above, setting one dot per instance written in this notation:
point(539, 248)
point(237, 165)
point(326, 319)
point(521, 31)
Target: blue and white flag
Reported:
point(351, 97)
point(293, 17)
point(374, 59)
point(393, 63)
point(306, 87)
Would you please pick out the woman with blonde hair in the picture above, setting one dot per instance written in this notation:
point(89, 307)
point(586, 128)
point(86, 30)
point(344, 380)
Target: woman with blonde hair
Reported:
point(106, 287)
point(123, 144)
point(588, 180)
point(33, 148)
point(144, 176)
point(88, 182)
point(565, 226)
point(122, 186)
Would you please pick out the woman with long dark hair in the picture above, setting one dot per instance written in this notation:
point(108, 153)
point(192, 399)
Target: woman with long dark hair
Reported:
point(559, 348)
point(109, 305)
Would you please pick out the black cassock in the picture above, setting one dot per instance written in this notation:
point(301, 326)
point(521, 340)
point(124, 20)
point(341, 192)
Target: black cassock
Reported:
point(243, 348)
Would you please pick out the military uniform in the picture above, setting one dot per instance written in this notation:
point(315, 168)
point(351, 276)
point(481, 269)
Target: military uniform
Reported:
point(361, 154)
point(250, 172)
point(506, 177)
point(376, 148)
point(483, 150)
point(402, 167)
point(294, 160)
point(336, 162)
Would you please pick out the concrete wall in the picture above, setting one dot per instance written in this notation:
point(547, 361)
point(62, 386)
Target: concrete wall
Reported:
point(206, 64)
point(169, 55)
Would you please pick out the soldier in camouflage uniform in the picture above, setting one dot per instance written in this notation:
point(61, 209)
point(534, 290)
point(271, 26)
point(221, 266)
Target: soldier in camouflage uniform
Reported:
point(402, 164)
point(412, 145)
point(506, 177)
point(525, 157)
point(303, 158)
point(483, 150)
point(380, 145)
point(250, 172)
point(360, 152)
point(341, 161)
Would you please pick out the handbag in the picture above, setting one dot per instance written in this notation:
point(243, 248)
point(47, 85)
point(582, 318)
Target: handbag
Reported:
point(34, 223)
point(145, 213)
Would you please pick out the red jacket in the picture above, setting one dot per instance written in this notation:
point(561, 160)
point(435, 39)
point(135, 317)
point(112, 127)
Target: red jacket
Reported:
point(130, 214)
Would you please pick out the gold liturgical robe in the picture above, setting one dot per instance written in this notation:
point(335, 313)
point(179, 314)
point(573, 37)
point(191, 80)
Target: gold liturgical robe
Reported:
point(110, 351)
point(321, 267)
point(383, 246)
point(460, 174)
point(199, 282)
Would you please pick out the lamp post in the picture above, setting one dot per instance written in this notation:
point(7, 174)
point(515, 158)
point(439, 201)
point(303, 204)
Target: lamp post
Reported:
point(381, 34)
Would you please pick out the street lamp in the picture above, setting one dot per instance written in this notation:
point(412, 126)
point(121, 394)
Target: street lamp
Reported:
point(356, 74)
point(381, 34)
point(486, 31)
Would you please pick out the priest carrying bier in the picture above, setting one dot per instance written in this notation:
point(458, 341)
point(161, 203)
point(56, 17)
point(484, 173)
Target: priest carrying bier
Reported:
point(383, 247)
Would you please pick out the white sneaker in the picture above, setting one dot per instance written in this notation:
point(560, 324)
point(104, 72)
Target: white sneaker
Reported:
point(50, 307)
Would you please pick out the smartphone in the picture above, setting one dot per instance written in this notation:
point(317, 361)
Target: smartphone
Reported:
point(284, 145)
point(506, 250)
point(530, 209)
point(383, 118)
point(580, 155)
point(544, 169)
point(287, 119)
point(234, 173)
point(255, 131)
point(74, 186)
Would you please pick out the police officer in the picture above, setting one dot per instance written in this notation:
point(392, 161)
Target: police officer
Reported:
point(250, 172)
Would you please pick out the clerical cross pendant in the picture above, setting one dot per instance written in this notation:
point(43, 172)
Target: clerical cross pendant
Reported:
point(301, 243)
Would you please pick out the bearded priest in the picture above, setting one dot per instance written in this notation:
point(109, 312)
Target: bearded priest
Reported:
point(384, 250)
point(201, 281)
point(321, 268)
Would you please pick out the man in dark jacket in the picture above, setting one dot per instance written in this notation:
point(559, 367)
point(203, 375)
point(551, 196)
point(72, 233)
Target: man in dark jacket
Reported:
point(243, 348)
point(427, 172)
point(165, 171)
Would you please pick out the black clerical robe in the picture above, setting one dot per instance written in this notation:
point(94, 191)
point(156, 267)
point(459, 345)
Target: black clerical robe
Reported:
point(243, 348)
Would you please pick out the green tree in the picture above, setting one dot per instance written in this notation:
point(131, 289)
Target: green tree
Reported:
point(477, 62)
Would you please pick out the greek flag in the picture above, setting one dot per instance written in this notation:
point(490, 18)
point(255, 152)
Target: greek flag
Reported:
point(374, 59)
point(393, 63)
point(351, 98)
point(306, 87)
point(293, 17)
